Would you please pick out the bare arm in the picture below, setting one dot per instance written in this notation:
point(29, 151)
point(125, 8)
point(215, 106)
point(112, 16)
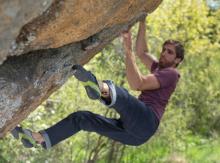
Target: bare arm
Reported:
point(135, 79)
point(141, 46)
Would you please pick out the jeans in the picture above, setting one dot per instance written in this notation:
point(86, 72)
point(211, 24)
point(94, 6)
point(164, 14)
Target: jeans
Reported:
point(137, 122)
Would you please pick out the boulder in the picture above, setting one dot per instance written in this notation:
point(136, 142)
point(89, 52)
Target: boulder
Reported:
point(41, 40)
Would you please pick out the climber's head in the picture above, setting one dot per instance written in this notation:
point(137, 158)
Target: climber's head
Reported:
point(172, 54)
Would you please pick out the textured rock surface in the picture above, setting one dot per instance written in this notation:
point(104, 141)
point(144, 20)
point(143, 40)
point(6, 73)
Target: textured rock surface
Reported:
point(14, 14)
point(43, 39)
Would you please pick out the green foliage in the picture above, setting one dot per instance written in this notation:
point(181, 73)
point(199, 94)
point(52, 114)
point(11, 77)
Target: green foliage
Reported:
point(189, 130)
point(198, 28)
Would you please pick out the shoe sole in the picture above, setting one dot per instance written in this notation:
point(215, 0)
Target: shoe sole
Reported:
point(90, 85)
point(15, 132)
point(26, 140)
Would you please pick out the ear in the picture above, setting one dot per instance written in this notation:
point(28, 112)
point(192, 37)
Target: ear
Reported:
point(177, 60)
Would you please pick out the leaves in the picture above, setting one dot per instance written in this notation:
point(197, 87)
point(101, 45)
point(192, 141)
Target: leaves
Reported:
point(190, 126)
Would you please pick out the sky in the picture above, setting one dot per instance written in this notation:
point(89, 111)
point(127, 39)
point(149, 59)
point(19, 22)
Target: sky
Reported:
point(213, 4)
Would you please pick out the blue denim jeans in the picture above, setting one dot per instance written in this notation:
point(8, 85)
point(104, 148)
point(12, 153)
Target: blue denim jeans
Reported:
point(137, 122)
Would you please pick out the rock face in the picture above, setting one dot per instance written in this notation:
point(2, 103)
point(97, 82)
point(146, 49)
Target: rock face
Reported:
point(14, 14)
point(41, 40)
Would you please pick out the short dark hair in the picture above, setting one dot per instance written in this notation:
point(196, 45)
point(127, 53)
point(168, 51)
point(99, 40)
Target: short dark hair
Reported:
point(179, 49)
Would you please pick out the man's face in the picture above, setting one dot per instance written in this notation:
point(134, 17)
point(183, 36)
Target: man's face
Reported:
point(168, 56)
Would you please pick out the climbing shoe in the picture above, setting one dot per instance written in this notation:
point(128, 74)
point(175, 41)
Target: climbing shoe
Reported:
point(89, 81)
point(25, 136)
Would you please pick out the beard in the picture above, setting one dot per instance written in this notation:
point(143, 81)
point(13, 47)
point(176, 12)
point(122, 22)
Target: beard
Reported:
point(165, 64)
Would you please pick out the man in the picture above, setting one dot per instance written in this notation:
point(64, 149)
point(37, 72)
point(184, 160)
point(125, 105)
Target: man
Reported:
point(139, 117)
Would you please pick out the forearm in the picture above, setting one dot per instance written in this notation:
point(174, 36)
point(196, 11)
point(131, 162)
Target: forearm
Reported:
point(141, 46)
point(133, 74)
point(141, 43)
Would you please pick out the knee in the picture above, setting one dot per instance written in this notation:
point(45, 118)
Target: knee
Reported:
point(136, 144)
point(80, 114)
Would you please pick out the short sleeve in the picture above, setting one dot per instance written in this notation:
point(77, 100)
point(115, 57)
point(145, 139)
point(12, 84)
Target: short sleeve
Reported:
point(167, 77)
point(154, 66)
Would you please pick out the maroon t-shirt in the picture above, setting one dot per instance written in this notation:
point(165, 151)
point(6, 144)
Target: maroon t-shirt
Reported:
point(158, 98)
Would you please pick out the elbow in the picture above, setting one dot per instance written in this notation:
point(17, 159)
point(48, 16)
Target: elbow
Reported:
point(138, 52)
point(136, 83)
point(136, 87)
point(133, 88)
